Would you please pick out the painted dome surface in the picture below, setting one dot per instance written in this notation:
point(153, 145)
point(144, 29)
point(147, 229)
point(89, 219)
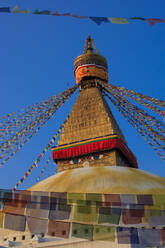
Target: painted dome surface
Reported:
point(109, 179)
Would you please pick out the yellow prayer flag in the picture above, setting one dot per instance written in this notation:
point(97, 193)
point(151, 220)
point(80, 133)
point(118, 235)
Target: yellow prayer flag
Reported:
point(16, 10)
point(116, 20)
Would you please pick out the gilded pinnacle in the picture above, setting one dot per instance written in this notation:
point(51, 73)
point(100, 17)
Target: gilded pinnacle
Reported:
point(89, 56)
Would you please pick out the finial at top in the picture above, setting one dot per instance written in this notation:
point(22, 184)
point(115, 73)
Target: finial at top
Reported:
point(89, 44)
point(90, 63)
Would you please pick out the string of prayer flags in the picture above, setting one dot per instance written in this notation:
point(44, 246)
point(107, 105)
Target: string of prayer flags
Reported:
point(118, 20)
point(35, 164)
point(99, 20)
point(16, 10)
point(140, 120)
point(44, 168)
point(152, 100)
point(141, 114)
point(19, 146)
point(134, 220)
point(18, 128)
point(150, 127)
point(21, 138)
point(138, 126)
point(153, 120)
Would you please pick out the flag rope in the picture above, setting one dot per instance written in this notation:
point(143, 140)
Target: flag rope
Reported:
point(15, 142)
point(35, 164)
point(148, 126)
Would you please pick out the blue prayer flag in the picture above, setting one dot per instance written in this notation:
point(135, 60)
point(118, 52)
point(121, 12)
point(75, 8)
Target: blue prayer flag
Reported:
point(99, 20)
point(5, 9)
point(43, 12)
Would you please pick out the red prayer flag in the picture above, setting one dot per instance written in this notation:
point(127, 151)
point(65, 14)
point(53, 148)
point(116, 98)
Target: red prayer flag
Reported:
point(56, 13)
point(153, 21)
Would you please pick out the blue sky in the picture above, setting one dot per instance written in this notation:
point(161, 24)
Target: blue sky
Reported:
point(37, 54)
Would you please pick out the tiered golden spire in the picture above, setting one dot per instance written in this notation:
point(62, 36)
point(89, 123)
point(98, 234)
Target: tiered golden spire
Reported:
point(91, 119)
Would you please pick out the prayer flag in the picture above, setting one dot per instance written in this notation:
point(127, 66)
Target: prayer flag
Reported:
point(115, 20)
point(123, 235)
point(134, 238)
point(59, 229)
point(15, 222)
point(129, 218)
point(43, 12)
point(56, 13)
point(153, 21)
point(128, 199)
point(145, 200)
point(86, 214)
point(105, 233)
point(5, 9)
point(98, 20)
point(37, 226)
point(112, 200)
point(138, 18)
point(83, 231)
point(81, 17)
point(34, 210)
point(149, 237)
point(16, 10)
point(159, 200)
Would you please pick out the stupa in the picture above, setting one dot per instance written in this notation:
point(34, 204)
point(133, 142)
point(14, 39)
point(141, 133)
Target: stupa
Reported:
point(101, 191)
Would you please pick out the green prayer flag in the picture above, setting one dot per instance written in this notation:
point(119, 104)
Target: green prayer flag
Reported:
point(86, 214)
point(83, 231)
point(137, 18)
point(106, 233)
